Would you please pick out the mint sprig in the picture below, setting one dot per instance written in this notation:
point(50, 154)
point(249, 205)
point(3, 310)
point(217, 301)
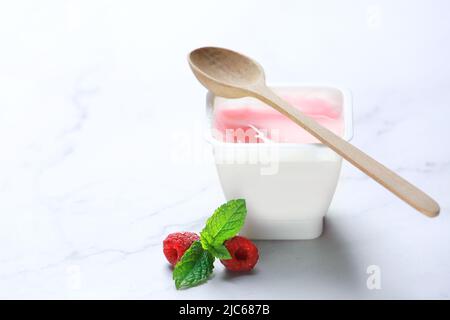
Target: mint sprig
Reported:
point(220, 252)
point(197, 263)
point(195, 267)
point(224, 224)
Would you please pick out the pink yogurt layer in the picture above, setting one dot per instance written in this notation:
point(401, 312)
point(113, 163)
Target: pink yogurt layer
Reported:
point(245, 120)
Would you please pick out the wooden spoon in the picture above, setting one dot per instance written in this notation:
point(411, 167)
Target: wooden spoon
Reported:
point(232, 75)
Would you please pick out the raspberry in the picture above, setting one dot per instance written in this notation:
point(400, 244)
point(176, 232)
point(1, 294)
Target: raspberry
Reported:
point(244, 254)
point(176, 244)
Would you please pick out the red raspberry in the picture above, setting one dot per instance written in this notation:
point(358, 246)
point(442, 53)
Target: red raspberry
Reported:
point(244, 254)
point(176, 244)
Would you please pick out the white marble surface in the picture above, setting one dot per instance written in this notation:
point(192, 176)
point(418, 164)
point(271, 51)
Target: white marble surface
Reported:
point(91, 93)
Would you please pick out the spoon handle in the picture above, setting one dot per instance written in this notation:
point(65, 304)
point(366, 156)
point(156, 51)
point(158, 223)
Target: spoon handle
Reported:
point(387, 178)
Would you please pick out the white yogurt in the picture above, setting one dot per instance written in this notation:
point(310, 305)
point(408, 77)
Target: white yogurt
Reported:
point(287, 178)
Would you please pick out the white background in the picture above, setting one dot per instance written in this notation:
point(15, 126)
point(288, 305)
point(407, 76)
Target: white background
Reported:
point(91, 93)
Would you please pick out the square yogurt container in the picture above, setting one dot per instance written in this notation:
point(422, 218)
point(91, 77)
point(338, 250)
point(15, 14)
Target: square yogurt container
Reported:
point(288, 187)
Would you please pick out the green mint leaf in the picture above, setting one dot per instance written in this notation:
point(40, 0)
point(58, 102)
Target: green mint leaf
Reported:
point(220, 252)
point(225, 223)
point(195, 267)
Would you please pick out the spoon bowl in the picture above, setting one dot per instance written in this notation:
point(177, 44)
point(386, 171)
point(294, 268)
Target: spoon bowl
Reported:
point(225, 72)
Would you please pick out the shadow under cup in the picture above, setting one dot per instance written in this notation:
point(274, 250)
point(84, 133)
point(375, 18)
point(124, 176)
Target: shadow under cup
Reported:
point(288, 187)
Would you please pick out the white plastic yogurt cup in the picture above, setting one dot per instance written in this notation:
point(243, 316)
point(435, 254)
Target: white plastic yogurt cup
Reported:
point(288, 187)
